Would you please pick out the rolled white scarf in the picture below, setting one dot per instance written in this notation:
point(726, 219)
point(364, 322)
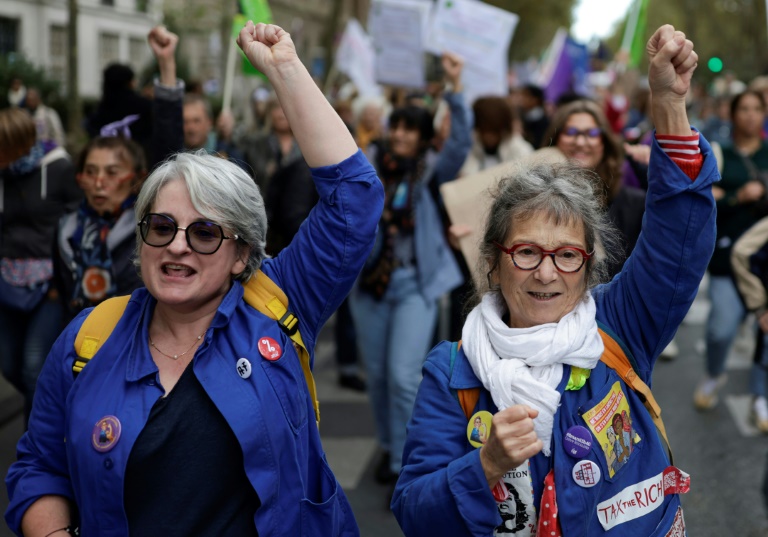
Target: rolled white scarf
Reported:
point(525, 365)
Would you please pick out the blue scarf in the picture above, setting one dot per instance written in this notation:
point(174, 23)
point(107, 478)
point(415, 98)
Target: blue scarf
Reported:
point(29, 162)
point(93, 263)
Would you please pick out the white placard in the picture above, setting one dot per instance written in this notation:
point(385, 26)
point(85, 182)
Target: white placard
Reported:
point(481, 35)
point(355, 58)
point(397, 31)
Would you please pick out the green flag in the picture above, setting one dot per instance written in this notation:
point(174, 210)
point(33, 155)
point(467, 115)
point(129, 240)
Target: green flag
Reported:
point(634, 33)
point(256, 10)
point(237, 24)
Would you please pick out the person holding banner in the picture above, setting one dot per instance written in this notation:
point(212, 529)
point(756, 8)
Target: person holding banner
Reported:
point(531, 359)
point(411, 266)
point(196, 403)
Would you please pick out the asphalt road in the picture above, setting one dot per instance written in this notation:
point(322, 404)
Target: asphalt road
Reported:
point(724, 455)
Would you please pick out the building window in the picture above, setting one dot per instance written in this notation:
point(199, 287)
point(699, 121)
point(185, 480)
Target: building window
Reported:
point(109, 49)
point(142, 6)
point(137, 52)
point(57, 53)
point(8, 35)
point(107, 2)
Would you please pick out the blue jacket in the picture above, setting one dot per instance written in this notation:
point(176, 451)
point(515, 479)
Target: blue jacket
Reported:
point(270, 412)
point(442, 489)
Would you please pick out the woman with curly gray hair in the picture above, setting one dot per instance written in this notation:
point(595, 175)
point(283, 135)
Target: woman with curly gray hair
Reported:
point(550, 354)
point(197, 402)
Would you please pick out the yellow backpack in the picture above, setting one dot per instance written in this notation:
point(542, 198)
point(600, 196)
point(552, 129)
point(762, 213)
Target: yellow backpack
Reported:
point(260, 292)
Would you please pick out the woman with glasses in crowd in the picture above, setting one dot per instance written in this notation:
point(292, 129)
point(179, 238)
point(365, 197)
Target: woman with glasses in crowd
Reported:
point(194, 417)
point(532, 350)
point(583, 134)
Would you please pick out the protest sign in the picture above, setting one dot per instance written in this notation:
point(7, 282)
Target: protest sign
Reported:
point(480, 34)
point(397, 31)
point(468, 199)
point(355, 58)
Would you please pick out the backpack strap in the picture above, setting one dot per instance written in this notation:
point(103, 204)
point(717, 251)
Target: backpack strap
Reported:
point(96, 328)
point(615, 357)
point(467, 397)
point(261, 293)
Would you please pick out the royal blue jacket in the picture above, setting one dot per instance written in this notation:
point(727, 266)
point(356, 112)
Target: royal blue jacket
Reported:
point(270, 412)
point(442, 489)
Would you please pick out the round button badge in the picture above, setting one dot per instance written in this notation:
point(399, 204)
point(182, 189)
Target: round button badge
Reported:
point(587, 474)
point(270, 349)
point(577, 441)
point(479, 428)
point(106, 433)
point(244, 368)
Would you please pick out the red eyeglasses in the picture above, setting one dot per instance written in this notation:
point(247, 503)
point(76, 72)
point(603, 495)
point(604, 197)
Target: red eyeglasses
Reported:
point(529, 256)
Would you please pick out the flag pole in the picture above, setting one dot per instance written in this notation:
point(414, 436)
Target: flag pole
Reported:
point(631, 28)
point(229, 76)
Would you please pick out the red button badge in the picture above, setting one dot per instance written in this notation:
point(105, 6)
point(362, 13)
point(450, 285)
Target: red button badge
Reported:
point(270, 349)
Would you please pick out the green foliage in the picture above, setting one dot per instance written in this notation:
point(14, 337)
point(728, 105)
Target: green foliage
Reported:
point(732, 30)
point(15, 65)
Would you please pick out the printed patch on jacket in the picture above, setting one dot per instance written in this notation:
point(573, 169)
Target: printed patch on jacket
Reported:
point(518, 513)
point(678, 525)
point(611, 423)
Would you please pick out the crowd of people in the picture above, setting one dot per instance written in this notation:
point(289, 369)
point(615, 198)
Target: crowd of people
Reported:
point(337, 203)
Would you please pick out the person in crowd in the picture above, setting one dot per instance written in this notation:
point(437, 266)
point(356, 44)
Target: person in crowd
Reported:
point(411, 265)
point(740, 203)
point(749, 260)
point(47, 120)
point(535, 120)
point(369, 126)
point(494, 140)
point(192, 413)
point(290, 198)
point(37, 188)
point(718, 126)
point(532, 348)
point(581, 132)
point(268, 153)
point(17, 92)
point(95, 244)
point(119, 100)
point(200, 134)
point(760, 84)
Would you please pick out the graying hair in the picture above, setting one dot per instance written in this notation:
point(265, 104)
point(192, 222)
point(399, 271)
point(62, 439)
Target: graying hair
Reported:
point(221, 192)
point(568, 194)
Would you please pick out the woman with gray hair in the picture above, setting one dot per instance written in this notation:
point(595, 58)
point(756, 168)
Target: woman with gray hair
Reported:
point(199, 401)
point(533, 363)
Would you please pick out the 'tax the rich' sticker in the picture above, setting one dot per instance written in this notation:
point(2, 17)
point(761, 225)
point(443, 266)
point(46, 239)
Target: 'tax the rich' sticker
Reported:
point(642, 498)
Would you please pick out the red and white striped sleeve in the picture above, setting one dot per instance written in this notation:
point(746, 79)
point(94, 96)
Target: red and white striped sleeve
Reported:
point(684, 151)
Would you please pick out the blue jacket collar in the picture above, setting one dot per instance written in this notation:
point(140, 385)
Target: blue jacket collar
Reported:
point(140, 363)
point(462, 376)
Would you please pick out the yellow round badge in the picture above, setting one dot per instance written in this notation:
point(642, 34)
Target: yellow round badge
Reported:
point(479, 428)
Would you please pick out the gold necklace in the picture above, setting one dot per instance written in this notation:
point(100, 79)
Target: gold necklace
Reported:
point(177, 356)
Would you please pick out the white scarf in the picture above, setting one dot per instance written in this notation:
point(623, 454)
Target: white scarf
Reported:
point(531, 364)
